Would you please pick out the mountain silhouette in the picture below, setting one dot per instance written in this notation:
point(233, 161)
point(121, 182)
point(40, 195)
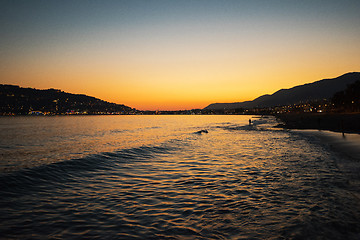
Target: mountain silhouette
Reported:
point(323, 89)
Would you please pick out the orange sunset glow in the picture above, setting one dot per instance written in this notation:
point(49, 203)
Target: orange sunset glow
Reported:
point(171, 55)
point(179, 119)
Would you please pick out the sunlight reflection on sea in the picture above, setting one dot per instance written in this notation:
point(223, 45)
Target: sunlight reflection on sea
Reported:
point(156, 177)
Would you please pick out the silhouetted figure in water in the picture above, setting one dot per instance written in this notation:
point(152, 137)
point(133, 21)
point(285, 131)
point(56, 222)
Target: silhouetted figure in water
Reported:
point(249, 122)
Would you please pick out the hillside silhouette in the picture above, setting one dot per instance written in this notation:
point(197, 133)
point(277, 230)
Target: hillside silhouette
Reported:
point(319, 90)
point(349, 99)
point(22, 101)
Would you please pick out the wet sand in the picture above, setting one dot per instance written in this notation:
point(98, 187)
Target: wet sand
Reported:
point(338, 132)
point(344, 122)
point(347, 148)
point(347, 143)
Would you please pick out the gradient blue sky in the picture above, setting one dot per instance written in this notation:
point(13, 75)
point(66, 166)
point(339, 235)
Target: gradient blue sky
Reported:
point(176, 54)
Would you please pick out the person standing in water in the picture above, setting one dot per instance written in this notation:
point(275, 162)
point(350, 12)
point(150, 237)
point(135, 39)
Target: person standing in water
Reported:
point(250, 122)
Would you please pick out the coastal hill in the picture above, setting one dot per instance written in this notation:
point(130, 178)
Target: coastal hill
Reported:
point(319, 90)
point(22, 101)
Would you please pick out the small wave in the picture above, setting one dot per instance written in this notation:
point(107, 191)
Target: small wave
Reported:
point(201, 131)
point(119, 130)
point(259, 124)
point(61, 172)
point(242, 127)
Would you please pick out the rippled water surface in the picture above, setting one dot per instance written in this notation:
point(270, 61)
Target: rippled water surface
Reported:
point(157, 177)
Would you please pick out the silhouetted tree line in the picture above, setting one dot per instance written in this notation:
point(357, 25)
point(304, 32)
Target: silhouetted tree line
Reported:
point(349, 99)
point(21, 101)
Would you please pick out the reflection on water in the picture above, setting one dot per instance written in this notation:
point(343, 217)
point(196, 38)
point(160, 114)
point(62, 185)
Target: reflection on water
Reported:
point(33, 141)
point(151, 177)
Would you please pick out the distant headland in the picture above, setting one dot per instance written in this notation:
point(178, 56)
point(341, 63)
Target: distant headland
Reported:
point(15, 100)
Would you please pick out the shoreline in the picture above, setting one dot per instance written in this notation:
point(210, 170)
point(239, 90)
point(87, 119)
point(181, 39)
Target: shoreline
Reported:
point(340, 133)
point(336, 122)
point(347, 144)
point(346, 149)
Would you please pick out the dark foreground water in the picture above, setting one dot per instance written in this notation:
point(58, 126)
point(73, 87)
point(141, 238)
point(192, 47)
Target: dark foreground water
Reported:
point(155, 177)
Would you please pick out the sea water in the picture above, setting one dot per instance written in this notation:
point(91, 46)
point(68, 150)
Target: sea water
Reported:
point(161, 177)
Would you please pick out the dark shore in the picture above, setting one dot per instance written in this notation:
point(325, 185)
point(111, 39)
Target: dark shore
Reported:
point(337, 122)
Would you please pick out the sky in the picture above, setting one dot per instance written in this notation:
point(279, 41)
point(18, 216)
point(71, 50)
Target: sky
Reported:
point(174, 55)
